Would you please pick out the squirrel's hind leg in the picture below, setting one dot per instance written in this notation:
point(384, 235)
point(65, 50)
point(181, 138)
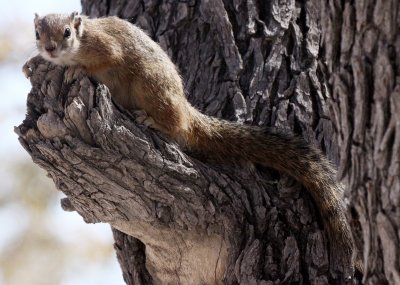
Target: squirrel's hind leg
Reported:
point(144, 119)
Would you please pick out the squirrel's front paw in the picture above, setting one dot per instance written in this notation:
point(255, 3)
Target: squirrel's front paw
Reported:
point(27, 68)
point(73, 73)
point(31, 64)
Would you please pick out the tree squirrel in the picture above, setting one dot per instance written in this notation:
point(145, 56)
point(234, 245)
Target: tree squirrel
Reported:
point(140, 75)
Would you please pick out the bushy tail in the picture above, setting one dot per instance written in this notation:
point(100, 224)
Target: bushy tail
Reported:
point(222, 140)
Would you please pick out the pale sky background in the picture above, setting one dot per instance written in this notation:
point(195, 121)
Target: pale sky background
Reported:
point(98, 266)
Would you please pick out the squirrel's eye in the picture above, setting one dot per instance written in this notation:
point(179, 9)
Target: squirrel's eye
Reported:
point(67, 33)
point(37, 35)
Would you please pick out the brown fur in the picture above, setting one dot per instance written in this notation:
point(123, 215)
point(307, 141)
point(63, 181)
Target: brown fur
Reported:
point(140, 75)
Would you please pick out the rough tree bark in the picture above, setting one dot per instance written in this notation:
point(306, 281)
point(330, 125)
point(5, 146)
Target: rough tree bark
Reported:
point(361, 45)
point(176, 218)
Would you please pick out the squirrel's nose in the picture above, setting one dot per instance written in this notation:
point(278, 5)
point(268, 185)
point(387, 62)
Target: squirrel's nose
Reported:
point(50, 48)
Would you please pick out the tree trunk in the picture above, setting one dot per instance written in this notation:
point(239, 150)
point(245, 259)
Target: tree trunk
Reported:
point(361, 45)
point(179, 220)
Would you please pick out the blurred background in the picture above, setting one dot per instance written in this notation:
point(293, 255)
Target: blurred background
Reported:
point(39, 243)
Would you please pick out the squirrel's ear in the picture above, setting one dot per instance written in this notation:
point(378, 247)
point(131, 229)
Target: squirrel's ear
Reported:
point(77, 22)
point(36, 20)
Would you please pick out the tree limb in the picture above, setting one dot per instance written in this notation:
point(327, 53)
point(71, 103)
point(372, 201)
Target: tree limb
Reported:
point(193, 218)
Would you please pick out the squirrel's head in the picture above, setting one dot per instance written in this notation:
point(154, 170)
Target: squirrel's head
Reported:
point(57, 37)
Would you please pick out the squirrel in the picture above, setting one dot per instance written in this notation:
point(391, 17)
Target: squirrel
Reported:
point(140, 75)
